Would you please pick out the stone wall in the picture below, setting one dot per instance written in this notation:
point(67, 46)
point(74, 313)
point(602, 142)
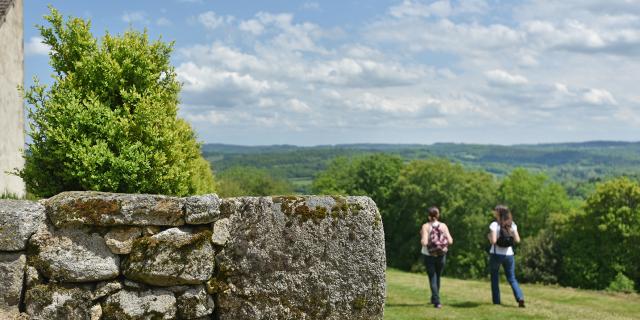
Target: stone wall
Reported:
point(91, 255)
point(11, 106)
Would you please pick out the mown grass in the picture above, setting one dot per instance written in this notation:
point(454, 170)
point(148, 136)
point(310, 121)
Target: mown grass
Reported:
point(408, 297)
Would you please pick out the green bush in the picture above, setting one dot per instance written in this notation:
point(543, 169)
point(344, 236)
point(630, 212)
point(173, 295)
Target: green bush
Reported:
point(109, 120)
point(538, 258)
point(621, 283)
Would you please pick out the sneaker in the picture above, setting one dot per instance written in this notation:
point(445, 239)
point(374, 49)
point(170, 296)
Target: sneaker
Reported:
point(521, 303)
point(437, 306)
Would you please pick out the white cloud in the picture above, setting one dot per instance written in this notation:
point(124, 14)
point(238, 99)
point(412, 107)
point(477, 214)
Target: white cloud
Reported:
point(134, 16)
point(164, 22)
point(35, 47)
point(212, 21)
point(599, 97)
point(501, 77)
point(253, 26)
point(298, 106)
point(211, 117)
point(425, 64)
point(411, 8)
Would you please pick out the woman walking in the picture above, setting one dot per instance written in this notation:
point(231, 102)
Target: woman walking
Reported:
point(435, 239)
point(503, 234)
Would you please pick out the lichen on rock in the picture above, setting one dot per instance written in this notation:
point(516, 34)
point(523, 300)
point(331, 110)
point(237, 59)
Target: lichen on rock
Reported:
point(72, 255)
point(19, 219)
point(150, 304)
point(55, 302)
point(112, 209)
point(171, 257)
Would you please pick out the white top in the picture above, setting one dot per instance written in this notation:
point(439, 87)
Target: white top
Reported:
point(424, 250)
point(508, 251)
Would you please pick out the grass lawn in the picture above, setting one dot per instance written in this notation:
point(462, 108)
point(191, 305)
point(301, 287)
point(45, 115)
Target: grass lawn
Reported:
point(408, 297)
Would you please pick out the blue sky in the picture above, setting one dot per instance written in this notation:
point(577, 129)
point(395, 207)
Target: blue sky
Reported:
point(407, 71)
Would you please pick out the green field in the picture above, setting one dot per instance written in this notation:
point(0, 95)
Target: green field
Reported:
point(408, 297)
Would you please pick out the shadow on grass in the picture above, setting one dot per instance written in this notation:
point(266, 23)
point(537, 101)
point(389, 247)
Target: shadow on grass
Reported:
point(395, 305)
point(467, 304)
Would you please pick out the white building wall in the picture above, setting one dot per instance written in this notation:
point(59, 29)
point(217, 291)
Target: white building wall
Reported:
point(11, 103)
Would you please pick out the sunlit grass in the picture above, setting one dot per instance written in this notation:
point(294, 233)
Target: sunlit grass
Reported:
point(408, 297)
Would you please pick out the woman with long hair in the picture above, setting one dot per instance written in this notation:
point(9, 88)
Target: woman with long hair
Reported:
point(502, 236)
point(435, 239)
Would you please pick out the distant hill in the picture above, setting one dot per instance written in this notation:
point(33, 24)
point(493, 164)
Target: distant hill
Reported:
point(569, 163)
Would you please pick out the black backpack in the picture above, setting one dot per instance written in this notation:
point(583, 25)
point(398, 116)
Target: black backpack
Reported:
point(505, 239)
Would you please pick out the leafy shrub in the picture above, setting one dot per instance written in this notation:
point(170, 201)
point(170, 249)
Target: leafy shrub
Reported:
point(109, 120)
point(621, 283)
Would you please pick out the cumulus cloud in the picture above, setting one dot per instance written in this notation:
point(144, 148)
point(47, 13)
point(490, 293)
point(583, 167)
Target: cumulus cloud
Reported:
point(35, 47)
point(424, 65)
point(212, 21)
point(134, 17)
point(599, 97)
point(501, 77)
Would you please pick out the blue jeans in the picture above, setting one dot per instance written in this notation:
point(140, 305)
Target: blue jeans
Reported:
point(509, 265)
point(435, 266)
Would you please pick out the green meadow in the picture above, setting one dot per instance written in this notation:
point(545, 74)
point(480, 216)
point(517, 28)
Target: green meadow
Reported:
point(408, 297)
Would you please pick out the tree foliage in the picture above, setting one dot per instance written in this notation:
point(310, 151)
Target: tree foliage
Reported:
point(249, 181)
point(532, 198)
point(109, 120)
point(603, 241)
point(464, 198)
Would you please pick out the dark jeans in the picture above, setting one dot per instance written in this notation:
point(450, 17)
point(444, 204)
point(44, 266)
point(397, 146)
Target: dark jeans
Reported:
point(509, 265)
point(435, 266)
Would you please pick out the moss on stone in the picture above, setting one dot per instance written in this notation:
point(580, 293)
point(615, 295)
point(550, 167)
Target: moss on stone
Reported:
point(359, 303)
point(90, 210)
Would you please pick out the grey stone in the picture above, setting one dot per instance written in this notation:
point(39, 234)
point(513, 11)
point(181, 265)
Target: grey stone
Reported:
point(171, 257)
point(202, 209)
point(119, 240)
point(220, 234)
point(95, 312)
point(150, 230)
point(301, 258)
point(19, 219)
point(151, 304)
point(12, 314)
point(44, 302)
point(134, 285)
point(112, 209)
point(194, 303)
point(104, 289)
point(72, 255)
point(12, 267)
point(32, 277)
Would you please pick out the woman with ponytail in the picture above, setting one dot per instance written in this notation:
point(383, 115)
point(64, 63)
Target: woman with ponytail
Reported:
point(435, 239)
point(502, 236)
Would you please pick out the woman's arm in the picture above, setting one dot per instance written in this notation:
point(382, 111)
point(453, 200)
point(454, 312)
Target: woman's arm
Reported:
point(516, 236)
point(449, 237)
point(424, 235)
point(493, 236)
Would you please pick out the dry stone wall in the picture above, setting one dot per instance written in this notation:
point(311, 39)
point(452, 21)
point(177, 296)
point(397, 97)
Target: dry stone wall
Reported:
point(93, 255)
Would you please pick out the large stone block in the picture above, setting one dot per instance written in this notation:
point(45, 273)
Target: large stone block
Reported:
point(301, 258)
point(45, 302)
point(171, 257)
point(19, 219)
point(202, 209)
point(110, 209)
point(72, 255)
point(150, 304)
point(12, 268)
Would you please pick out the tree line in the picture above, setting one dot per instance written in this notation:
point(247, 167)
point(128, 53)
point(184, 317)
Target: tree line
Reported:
point(587, 243)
